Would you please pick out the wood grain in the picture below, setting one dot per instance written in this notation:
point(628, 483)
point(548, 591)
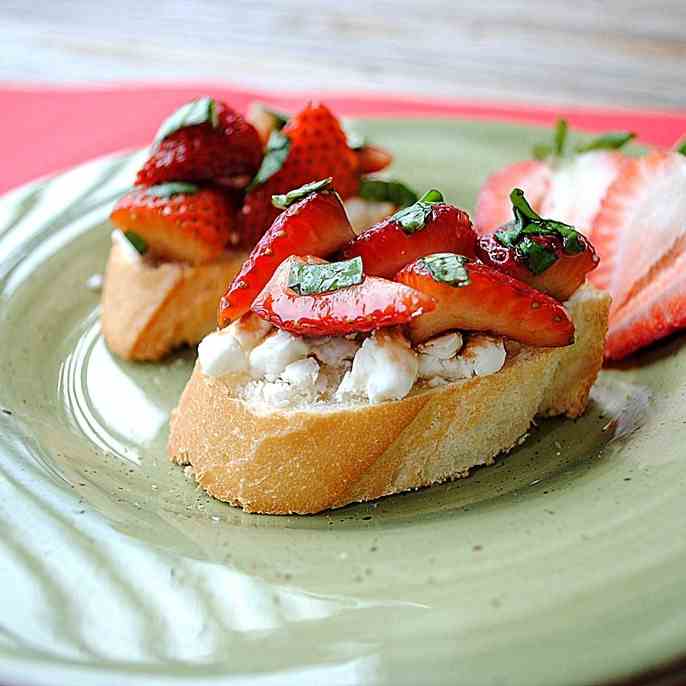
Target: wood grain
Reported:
point(586, 52)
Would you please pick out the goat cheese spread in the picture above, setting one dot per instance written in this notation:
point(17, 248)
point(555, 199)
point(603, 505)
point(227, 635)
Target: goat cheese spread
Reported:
point(284, 370)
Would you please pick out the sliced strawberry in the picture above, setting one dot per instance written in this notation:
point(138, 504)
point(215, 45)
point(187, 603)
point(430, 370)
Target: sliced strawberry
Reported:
point(368, 303)
point(372, 158)
point(312, 145)
point(317, 225)
point(178, 221)
point(560, 279)
point(493, 207)
point(578, 186)
point(656, 311)
point(389, 245)
point(223, 147)
point(642, 216)
point(476, 297)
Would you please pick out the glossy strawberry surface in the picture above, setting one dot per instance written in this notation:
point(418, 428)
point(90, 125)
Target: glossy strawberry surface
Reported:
point(372, 304)
point(185, 227)
point(492, 302)
point(317, 225)
point(229, 153)
point(385, 247)
point(560, 280)
point(317, 148)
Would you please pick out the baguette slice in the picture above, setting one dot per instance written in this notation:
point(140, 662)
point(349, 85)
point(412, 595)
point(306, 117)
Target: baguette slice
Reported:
point(150, 309)
point(326, 456)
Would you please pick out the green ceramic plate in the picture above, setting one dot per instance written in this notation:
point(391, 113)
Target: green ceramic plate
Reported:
point(565, 563)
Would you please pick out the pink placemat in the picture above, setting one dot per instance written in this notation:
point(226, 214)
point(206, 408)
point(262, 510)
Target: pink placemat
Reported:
point(46, 129)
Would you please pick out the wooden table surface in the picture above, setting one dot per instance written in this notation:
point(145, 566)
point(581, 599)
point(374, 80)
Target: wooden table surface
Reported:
point(612, 52)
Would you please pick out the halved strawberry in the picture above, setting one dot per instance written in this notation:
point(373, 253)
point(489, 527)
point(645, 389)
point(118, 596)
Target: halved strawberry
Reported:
point(642, 216)
point(567, 185)
point(493, 207)
point(316, 225)
point(561, 279)
point(656, 311)
point(312, 145)
point(426, 227)
point(204, 140)
point(578, 186)
point(310, 298)
point(178, 221)
point(476, 297)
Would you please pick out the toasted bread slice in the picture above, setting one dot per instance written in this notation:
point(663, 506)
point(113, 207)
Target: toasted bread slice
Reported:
point(150, 309)
point(326, 456)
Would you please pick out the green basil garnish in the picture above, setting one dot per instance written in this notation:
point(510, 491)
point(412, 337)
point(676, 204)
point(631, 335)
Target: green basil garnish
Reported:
point(608, 141)
point(286, 200)
point(447, 268)
point(558, 148)
point(278, 147)
point(528, 223)
point(137, 241)
point(413, 218)
point(311, 279)
point(200, 111)
point(380, 190)
point(167, 190)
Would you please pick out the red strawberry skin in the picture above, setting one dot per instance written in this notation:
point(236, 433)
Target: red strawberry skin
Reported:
point(193, 228)
point(493, 206)
point(560, 280)
point(372, 304)
point(493, 302)
point(317, 225)
point(318, 149)
point(385, 248)
point(203, 153)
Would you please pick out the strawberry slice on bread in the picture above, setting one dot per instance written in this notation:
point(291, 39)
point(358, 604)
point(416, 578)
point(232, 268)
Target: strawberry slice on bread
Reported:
point(204, 140)
point(314, 222)
point(428, 226)
point(180, 222)
point(549, 255)
point(310, 297)
point(475, 297)
point(312, 145)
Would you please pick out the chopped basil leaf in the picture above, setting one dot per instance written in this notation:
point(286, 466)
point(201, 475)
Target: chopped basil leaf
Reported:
point(311, 279)
point(681, 148)
point(137, 241)
point(200, 111)
point(536, 256)
point(447, 268)
point(286, 200)
point(609, 141)
point(167, 190)
point(529, 223)
point(380, 190)
point(414, 217)
point(278, 147)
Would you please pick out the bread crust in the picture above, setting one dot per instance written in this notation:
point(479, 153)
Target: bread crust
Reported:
point(149, 310)
point(306, 461)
